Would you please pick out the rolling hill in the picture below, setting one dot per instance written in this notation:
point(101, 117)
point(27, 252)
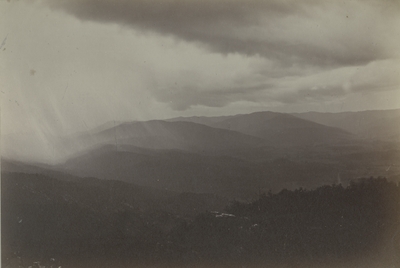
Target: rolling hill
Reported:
point(158, 134)
point(278, 129)
point(285, 130)
point(189, 172)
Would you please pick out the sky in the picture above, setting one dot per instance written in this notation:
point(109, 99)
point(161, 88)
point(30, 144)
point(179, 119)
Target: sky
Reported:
point(69, 66)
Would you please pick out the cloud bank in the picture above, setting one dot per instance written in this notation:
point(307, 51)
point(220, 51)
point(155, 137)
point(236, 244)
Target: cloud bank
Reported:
point(301, 36)
point(322, 33)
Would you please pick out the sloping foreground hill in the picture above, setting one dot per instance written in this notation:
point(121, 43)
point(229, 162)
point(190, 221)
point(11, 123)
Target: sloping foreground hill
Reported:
point(93, 193)
point(97, 224)
point(44, 218)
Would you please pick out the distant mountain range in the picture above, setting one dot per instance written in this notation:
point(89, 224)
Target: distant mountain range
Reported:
point(284, 129)
point(233, 156)
point(161, 135)
point(219, 135)
point(381, 125)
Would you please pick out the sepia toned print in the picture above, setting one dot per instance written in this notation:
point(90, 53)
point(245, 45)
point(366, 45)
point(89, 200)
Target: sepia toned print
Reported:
point(199, 133)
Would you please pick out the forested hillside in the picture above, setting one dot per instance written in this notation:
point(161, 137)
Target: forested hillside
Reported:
point(64, 224)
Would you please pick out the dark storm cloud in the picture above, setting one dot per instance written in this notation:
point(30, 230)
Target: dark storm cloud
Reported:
point(245, 27)
point(306, 54)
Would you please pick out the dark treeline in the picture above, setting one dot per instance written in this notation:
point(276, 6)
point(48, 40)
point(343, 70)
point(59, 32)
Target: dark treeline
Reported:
point(58, 223)
point(331, 223)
